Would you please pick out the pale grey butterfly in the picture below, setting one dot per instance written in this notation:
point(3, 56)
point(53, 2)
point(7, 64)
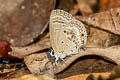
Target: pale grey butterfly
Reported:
point(67, 35)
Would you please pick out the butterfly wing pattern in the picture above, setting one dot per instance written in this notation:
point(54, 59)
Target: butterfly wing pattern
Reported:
point(67, 35)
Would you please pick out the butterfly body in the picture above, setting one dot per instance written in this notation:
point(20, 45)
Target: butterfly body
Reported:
point(67, 35)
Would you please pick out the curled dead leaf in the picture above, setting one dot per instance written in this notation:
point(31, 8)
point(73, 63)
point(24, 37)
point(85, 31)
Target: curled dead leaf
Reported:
point(4, 49)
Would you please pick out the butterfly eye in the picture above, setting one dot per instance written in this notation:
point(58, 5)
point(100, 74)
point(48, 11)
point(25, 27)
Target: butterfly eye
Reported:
point(52, 53)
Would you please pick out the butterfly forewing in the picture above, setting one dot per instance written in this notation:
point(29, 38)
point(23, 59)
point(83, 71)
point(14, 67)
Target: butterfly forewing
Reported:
point(67, 34)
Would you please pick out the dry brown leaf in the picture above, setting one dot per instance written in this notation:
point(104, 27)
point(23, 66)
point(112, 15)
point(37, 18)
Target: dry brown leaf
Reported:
point(74, 10)
point(106, 53)
point(66, 5)
point(107, 20)
point(39, 64)
point(4, 49)
point(111, 54)
point(108, 4)
point(7, 71)
point(115, 74)
point(103, 28)
point(85, 76)
point(87, 6)
point(32, 77)
point(18, 72)
point(24, 51)
point(30, 19)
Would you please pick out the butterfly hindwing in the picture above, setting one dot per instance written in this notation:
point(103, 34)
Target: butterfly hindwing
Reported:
point(67, 35)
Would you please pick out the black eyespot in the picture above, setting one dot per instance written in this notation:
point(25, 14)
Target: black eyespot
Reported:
point(62, 41)
point(64, 31)
point(82, 34)
point(26, 49)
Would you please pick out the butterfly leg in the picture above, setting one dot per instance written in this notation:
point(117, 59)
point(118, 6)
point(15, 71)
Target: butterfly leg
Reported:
point(63, 60)
point(54, 55)
point(56, 59)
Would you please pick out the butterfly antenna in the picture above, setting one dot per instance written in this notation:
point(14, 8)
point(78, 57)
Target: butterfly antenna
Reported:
point(56, 64)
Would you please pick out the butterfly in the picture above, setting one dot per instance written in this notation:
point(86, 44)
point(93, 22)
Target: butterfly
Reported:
point(67, 35)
